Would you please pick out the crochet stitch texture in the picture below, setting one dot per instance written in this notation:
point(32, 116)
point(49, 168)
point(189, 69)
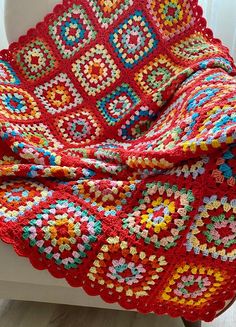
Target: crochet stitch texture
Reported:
point(118, 155)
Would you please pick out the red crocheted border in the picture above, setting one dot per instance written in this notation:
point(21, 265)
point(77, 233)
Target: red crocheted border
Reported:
point(197, 10)
point(9, 235)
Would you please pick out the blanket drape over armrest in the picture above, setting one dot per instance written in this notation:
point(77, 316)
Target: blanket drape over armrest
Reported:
point(118, 154)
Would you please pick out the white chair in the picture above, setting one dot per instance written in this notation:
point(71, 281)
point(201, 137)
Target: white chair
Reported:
point(18, 279)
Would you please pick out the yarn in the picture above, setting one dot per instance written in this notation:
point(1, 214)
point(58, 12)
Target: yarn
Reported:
point(118, 157)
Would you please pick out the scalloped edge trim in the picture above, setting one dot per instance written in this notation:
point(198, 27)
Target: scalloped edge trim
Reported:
point(138, 307)
point(66, 3)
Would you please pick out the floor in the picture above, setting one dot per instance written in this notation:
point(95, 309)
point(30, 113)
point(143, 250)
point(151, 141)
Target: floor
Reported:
point(28, 314)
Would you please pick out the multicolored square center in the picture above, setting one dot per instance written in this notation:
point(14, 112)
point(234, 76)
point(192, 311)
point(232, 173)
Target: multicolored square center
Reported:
point(16, 103)
point(63, 231)
point(108, 197)
point(134, 39)
point(213, 232)
point(138, 124)
point(156, 75)
point(194, 286)
point(118, 104)
point(125, 270)
point(19, 196)
point(80, 127)
point(72, 31)
point(169, 14)
point(161, 216)
point(35, 60)
point(59, 94)
point(96, 70)
point(108, 11)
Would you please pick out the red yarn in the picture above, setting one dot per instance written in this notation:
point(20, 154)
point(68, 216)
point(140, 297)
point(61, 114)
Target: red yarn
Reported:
point(118, 156)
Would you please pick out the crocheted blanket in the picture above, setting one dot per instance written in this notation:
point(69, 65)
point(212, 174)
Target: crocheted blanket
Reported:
point(118, 154)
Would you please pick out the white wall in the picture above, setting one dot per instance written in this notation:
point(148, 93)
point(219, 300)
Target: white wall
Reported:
point(3, 40)
point(221, 16)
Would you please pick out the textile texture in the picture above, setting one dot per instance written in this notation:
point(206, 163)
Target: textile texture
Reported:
point(118, 154)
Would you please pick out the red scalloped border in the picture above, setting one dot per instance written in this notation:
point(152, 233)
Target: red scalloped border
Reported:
point(9, 236)
point(172, 311)
point(202, 22)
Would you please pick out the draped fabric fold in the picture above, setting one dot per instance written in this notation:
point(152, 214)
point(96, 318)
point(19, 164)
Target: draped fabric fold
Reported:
point(118, 155)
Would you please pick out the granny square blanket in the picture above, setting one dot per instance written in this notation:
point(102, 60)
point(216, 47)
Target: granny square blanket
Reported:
point(118, 154)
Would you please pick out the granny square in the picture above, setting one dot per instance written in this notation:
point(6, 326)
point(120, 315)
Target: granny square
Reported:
point(16, 103)
point(155, 75)
point(59, 94)
point(118, 104)
point(80, 127)
point(134, 39)
point(107, 11)
point(169, 14)
point(124, 270)
point(35, 59)
point(38, 135)
point(96, 70)
point(72, 31)
point(25, 195)
point(57, 236)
